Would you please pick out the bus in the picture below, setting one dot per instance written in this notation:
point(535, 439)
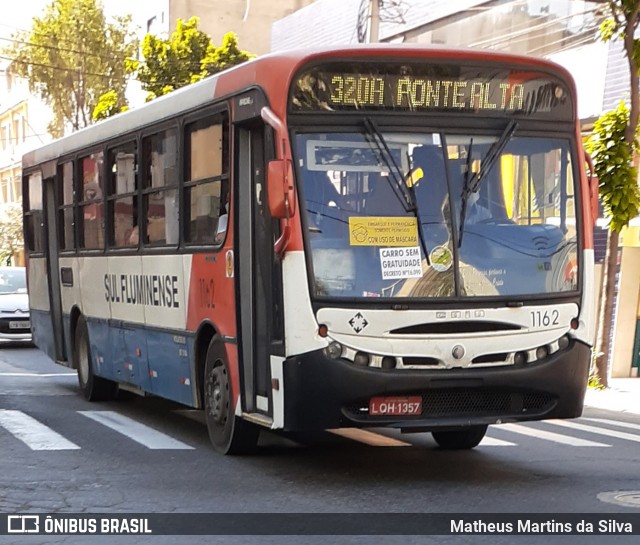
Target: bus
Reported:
point(387, 236)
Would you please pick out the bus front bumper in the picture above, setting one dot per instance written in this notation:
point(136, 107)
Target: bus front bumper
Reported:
point(322, 393)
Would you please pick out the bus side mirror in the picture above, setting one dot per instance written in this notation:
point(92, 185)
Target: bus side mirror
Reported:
point(280, 192)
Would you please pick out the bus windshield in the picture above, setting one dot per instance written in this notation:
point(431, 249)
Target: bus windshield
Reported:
point(399, 218)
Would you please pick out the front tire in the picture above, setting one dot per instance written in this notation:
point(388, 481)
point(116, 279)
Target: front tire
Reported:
point(93, 388)
point(228, 433)
point(464, 439)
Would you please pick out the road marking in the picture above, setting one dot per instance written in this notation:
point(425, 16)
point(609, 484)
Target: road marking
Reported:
point(550, 436)
point(614, 423)
point(32, 433)
point(493, 442)
point(146, 436)
point(368, 437)
point(46, 375)
point(596, 430)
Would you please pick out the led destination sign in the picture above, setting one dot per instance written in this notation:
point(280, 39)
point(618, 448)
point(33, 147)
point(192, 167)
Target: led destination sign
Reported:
point(432, 88)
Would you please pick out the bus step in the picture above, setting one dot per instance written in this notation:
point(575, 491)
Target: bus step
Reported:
point(259, 419)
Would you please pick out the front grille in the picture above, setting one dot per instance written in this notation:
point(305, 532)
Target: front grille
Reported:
point(459, 403)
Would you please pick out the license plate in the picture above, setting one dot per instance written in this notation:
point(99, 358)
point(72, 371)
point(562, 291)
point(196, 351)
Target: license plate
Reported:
point(395, 406)
point(19, 325)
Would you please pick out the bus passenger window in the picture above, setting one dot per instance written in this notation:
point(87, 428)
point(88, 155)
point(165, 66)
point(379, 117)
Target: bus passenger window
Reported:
point(67, 236)
point(160, 187)
point(91, 205)
point(33, 221)
point(123, 198)
point(206, 181)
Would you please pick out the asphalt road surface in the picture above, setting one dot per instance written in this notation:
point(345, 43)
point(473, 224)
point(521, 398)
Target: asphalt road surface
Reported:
point(60, 453)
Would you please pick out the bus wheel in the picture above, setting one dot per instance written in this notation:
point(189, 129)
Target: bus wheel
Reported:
point(228, 433)
point(463, 439)
point(93, 388)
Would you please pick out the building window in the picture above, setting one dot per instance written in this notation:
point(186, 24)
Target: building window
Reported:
point(91, 204)
point(160, 189)
point(206, 181)
point(123, 197)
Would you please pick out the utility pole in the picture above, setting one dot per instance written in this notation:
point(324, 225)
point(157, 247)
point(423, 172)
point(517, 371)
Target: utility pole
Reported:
point(374, 28)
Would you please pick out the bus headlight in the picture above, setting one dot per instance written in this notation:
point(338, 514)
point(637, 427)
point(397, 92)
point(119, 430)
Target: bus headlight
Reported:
point(542, 352)
point(334, 350)
point(362, 359)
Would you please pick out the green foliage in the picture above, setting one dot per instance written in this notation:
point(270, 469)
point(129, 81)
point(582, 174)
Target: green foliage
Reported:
point(11, 241)
point(173, 63)
point(596, 383)
point(225, 56)
point(186, 57)
point(622, 12)
point(612, 158)
point(109, 104)
point(71, 57)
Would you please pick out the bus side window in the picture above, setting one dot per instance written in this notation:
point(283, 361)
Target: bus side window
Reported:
point(206, 180)
point(33, 221)
point(160, 187)
point(67, 210)
point(92, 205)
point(123, 198)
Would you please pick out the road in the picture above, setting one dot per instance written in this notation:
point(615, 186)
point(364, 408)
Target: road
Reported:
point(59, 452)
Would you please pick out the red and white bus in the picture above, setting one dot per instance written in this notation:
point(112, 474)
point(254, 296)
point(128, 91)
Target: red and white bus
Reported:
point(380, 236)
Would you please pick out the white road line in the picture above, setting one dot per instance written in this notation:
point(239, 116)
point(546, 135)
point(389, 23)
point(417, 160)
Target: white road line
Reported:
point(368, 437)
point(146, 436)
point(549, 436)
point(493, 442)
point(32, 433)
point(596, 430)
point(614, 423)
point(45, 375)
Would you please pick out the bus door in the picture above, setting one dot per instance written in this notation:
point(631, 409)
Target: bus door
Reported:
point(258, 284)
point(53, 270)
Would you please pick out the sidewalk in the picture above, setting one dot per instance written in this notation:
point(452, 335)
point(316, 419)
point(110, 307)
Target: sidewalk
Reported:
point(622, 395)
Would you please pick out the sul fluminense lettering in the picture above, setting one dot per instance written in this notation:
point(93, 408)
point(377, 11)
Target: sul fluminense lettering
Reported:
point(426, 93)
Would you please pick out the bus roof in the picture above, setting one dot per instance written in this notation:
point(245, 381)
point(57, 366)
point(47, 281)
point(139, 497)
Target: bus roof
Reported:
point(272, 73)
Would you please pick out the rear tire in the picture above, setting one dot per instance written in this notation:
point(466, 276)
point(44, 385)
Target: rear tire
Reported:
point(93, 388)
point(228, 433)
point(464, 439)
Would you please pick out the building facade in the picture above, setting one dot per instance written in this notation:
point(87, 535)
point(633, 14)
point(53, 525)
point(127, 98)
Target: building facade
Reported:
point(251, 21)
point(23, 122)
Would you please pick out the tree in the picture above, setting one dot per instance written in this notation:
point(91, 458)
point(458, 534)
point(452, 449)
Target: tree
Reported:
point(225, 56)
point(109, 104)
point(613, 146)
point(71, 57)
point(11, 239)
point(175, 62)
point(186, 57)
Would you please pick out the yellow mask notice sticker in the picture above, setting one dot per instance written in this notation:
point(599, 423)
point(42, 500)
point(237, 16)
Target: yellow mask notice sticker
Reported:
point(383, 231)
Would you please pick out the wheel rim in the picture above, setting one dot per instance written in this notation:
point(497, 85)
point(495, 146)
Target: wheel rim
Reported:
point(218, 395)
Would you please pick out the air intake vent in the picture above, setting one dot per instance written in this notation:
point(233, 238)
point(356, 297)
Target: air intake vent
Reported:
point(491, 358)
point(440, 328)
point(420, 361)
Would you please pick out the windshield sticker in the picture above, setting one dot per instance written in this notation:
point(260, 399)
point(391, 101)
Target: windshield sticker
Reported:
point(383, 231)
point(397, 263)
point(441, 258)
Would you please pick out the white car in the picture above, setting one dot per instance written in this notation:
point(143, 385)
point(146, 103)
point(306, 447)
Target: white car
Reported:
point(15, 324)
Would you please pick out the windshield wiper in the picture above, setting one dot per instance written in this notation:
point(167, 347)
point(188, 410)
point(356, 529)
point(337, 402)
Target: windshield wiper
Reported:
point(472, 180)
point(405, 193)
point(395, 172)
